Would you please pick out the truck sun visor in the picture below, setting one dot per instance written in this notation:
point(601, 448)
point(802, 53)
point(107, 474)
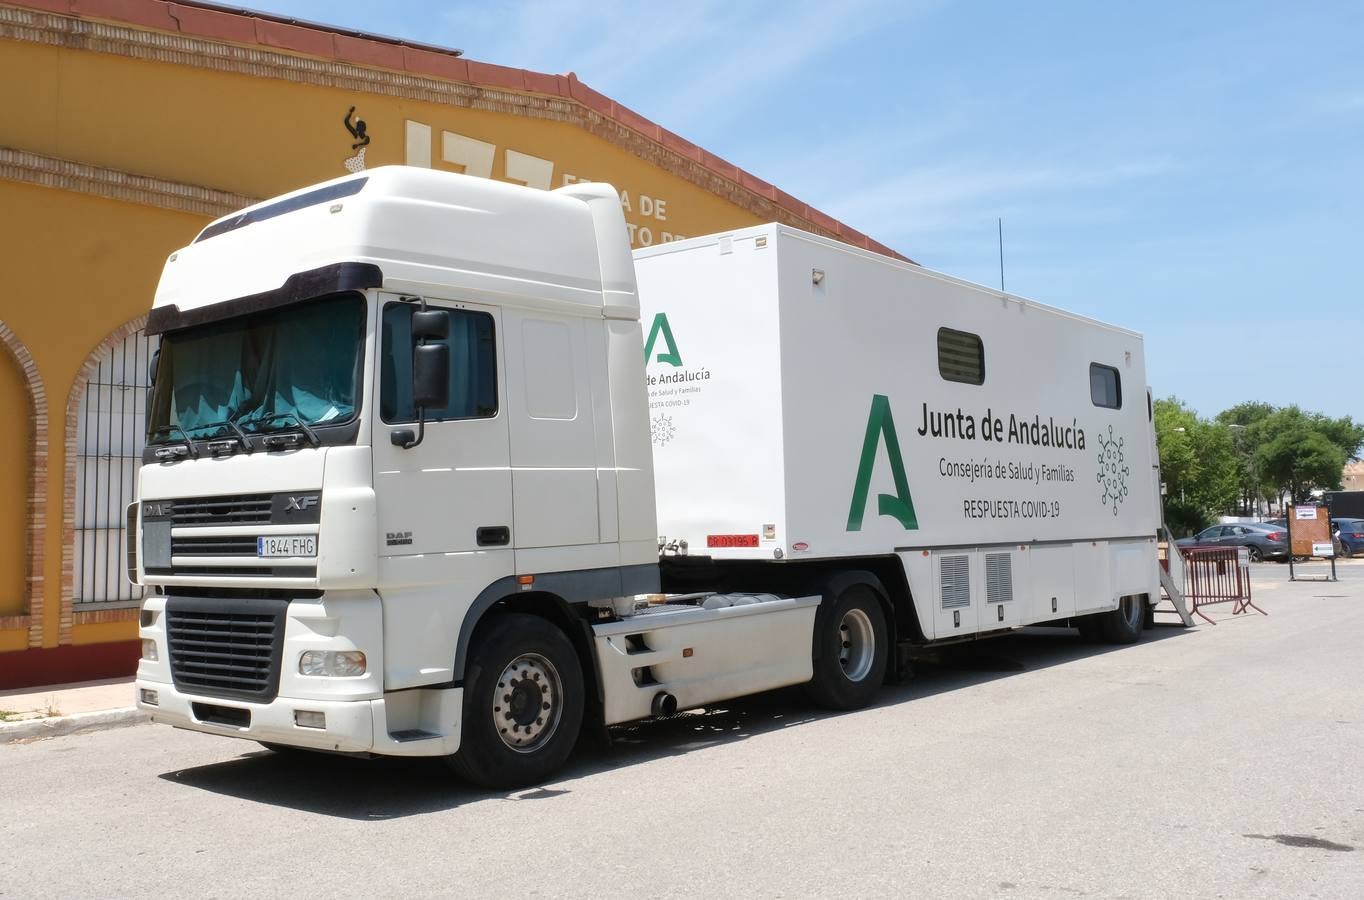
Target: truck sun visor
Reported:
point(293, 204)
point(333, 279)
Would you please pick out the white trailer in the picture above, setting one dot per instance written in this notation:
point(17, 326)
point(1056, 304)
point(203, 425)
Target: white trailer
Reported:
point(410, 488)
point(813, 403)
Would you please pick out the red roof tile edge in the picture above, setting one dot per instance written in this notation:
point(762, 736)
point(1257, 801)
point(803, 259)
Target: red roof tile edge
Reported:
point(241, 26)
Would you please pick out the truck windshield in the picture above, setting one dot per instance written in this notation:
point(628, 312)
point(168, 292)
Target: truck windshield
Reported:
point(260, 372)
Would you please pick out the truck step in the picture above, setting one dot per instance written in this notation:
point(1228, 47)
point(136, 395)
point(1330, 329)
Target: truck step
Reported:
point(412, 734)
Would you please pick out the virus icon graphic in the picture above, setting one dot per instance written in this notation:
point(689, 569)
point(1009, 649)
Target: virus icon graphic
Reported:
point(662, 430)
point(1113, 470)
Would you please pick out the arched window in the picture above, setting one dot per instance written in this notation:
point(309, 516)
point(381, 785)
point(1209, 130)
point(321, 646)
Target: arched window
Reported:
point(111, 431)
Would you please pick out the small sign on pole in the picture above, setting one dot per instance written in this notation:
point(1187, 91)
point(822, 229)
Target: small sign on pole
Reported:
point(1309, 536)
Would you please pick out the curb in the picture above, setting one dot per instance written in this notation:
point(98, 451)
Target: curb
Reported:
point(76, 723)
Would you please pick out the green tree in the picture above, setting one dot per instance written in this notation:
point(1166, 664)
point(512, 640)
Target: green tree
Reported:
point(1246, 422)
point(1299, 459)
point(1198, 463)
point(1344, 433)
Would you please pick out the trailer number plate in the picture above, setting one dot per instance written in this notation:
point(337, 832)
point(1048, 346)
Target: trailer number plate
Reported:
point(731, 540)
point(282, 545)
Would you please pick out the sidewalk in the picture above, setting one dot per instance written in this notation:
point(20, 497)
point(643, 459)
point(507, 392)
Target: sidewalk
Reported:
point(59, 709)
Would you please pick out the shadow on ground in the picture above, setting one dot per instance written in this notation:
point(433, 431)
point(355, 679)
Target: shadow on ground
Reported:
point(378, 789)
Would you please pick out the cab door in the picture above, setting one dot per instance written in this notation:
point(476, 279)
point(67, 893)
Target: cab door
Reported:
point(448, 499)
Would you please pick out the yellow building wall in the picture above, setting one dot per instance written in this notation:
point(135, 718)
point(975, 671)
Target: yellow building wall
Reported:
point(16, 441)
point(82, 266)
point(262, 136)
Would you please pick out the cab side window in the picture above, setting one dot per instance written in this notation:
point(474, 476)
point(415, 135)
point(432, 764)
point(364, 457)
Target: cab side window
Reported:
point(473, 367)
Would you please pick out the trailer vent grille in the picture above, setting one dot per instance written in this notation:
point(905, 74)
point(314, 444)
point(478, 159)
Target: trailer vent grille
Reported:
point(226, 648)
point(999, 577)
point(955, 572)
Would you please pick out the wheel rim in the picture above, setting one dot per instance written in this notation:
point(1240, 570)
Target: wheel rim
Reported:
point(1254, 553)
point(857, 644)
point(527, 703)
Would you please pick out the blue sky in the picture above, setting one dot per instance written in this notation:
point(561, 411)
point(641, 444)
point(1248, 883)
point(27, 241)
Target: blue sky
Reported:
point(1189, 170)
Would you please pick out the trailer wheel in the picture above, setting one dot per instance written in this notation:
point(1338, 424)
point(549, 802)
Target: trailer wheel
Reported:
point(1124, 624)
point(1089, 627)
point(523, 704)
point(850, 650)
point(1121, 626)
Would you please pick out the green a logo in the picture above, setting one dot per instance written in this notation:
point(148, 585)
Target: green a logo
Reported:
point(899, 506)
point(660, 326)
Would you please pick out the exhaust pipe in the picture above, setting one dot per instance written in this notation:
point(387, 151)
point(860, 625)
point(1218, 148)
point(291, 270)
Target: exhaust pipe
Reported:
point(665, 704)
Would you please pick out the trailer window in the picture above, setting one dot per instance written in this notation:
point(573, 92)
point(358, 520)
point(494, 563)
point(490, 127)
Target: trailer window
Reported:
point(473, 367)
point(961, 356)
point(1105, 386)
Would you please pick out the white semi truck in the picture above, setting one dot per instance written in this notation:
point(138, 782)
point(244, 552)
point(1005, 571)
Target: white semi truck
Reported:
point(436, 468)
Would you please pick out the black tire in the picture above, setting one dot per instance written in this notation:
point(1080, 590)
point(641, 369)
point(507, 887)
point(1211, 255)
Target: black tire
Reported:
point(1123, 625)
point(1255, 553)
point(501, 698)
point(850, 649)
point(1089, 628)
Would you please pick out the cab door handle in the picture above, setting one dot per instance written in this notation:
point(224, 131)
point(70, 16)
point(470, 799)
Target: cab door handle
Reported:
point(493, 536)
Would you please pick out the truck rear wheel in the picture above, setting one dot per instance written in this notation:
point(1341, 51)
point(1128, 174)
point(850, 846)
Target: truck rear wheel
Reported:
point(850, 650)
point(523, 704)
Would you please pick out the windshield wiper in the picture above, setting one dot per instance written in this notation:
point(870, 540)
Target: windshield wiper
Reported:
point(186, 443)
point(274, 439)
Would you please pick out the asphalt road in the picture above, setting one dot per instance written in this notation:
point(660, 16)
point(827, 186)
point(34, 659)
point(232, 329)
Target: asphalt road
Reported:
point(1217, 762)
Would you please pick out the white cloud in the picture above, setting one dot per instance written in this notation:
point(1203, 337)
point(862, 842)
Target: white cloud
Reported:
point(942, 197)
point(688, 65)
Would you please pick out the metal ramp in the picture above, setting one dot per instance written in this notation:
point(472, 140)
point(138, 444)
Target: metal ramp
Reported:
point(1172, 576)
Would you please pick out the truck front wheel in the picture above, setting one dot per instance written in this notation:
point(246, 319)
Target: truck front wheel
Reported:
point(850, 650)
point(523, 704)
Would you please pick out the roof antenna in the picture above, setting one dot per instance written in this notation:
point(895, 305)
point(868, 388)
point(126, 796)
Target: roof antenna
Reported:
point(1001, 257)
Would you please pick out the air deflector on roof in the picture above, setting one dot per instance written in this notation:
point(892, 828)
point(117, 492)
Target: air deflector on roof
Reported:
point(284, 207)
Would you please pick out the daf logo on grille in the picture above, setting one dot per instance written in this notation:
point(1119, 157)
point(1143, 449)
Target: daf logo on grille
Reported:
point(156, 509)
point(299, 504)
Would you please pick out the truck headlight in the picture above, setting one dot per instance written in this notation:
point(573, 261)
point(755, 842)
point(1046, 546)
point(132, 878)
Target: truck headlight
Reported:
point(149, 649)
point(332, 663)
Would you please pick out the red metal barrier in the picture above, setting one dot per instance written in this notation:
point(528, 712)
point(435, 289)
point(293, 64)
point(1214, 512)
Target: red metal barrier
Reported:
point(1217, 575)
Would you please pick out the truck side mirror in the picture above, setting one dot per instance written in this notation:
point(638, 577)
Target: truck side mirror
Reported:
point(152, 365)
point(430, 371)
point(430, 324)
point(431, 375)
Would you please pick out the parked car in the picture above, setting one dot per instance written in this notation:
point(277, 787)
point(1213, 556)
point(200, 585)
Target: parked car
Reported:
point(1261, 540)
point(1349, 537)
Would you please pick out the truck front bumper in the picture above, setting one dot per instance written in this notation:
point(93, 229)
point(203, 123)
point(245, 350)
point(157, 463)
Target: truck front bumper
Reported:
point(345, 726)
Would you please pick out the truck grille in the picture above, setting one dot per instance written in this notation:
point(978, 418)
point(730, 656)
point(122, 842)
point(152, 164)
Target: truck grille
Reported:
point(226, 648)
point(244, 545)
point(246, 509)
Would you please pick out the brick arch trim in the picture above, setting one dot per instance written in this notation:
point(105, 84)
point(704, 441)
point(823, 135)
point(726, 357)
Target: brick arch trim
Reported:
point(70, 435)
point(35, 518)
